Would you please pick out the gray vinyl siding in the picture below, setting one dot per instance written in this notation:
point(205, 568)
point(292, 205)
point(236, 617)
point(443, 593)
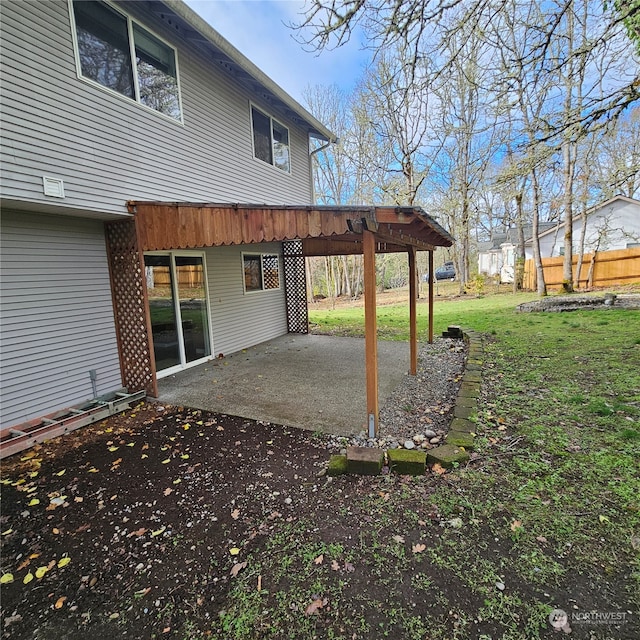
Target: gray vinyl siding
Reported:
point(109, 149)
point(56, 316)
point(238, 319)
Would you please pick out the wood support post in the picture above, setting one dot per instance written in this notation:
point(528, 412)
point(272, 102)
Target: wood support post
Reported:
point(431, 279)
point(370, 331)
point(413, 318)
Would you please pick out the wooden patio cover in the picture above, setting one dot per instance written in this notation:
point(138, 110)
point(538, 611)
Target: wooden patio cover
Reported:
point(324, 231)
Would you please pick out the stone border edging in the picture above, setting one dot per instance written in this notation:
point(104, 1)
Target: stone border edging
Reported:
point(459, 439)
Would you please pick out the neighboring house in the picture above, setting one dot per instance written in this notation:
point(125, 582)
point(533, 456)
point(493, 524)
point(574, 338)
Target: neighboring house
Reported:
point(611, 225)
point(120, 120)
point(496, 257)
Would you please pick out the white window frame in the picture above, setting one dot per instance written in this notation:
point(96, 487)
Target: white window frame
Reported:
point(266, 114)
point(132, 54)
point(261, 255)
point(176, 304)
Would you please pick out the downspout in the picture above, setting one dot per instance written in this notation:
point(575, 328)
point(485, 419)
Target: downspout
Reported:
point(311, 154)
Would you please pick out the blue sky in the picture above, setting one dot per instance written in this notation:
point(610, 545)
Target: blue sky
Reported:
point(258, 29)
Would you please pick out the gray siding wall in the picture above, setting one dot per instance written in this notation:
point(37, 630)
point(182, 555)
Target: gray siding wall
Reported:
point(238, 319)
point(56, 317)
point(109, 149)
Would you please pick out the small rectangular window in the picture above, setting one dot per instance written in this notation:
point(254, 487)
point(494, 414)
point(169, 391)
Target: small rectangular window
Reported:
point(270, 140)
point(261, 272)
point(105, 52)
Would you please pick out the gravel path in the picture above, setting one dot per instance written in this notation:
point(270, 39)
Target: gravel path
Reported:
point(419, 411)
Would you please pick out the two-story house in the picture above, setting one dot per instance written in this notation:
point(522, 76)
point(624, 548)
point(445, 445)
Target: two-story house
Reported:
point(122, 122)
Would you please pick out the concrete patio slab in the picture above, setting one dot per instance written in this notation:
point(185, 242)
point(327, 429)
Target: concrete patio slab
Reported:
point(308, 381)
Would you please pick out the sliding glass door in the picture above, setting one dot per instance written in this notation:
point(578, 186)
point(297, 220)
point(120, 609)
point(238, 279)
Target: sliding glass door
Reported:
point(176, 285)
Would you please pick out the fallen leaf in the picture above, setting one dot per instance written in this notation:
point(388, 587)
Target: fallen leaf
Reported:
point(418, 548)
point(28, 578)
point(603, 519)
point(438, 469)
point(166, 630)
point(348, 567)
point(168, 491)
point(422, 523)
point(40, 571)
point(237, 568)
point(334, 565)
point(55, 531)
point(541, 539)
point(93, 470)
point(516, 524)
point(131, 444)
point(167, 461)
point(234, 551)
point(185, 456)
point(6, 578)
point(60, 602)
point(78, 499)
point(157, 532)
point(315, 606)
point(60, 473)
point(23, 564)
point(177, 481)
point(143, 456)
point(319, 559)
point(112, 449)
point(33, 502)
point(235, 514)
point(139, 532)
point(63, 562)
point(145, 446)
point(7, 532)
point(398, 539)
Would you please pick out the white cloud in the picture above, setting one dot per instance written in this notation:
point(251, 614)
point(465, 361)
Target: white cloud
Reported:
point(259, 30)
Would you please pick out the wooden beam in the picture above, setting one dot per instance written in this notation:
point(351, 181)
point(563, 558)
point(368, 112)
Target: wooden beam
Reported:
point(370, 331)
point(413, 318)
point(431, 277)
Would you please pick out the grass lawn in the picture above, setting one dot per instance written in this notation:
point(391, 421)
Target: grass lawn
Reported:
point(174, 523)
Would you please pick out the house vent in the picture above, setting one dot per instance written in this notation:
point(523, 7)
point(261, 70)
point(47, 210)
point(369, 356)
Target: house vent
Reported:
point(53, 187)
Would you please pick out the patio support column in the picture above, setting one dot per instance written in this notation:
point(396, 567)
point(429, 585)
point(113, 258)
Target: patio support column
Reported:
point(413, 318)
point(431, 277)
point(370, 331)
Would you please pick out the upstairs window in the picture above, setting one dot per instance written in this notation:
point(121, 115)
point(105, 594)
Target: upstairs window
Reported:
point(270, 140)
point(261, 271)
point(123, 56)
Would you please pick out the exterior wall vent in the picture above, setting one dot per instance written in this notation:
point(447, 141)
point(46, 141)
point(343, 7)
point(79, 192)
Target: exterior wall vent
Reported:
point(53, 187)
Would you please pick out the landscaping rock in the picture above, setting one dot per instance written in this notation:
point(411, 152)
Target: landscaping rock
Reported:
point(447, 455)
point(337, 465)
point(461, 439)
point(364, 461)
point(411, 463)
point(460, 424)
point(464, 413)
point(409, 444)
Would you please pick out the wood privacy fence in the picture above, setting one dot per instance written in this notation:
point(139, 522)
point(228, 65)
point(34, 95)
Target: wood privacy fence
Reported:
point(601, 269)
point(188, 276)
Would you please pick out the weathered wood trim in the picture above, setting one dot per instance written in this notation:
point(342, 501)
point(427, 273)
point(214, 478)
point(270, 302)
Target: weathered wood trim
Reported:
point(431, 276)
point(371, 328)
point(413, 317)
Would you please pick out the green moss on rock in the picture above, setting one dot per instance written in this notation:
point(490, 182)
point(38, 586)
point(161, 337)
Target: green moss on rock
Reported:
point(447, 455)
point(407, 462)
point(337, 465)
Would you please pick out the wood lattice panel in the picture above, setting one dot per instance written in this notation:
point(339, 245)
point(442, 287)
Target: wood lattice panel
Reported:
point(130, 304)
point(295, 287)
